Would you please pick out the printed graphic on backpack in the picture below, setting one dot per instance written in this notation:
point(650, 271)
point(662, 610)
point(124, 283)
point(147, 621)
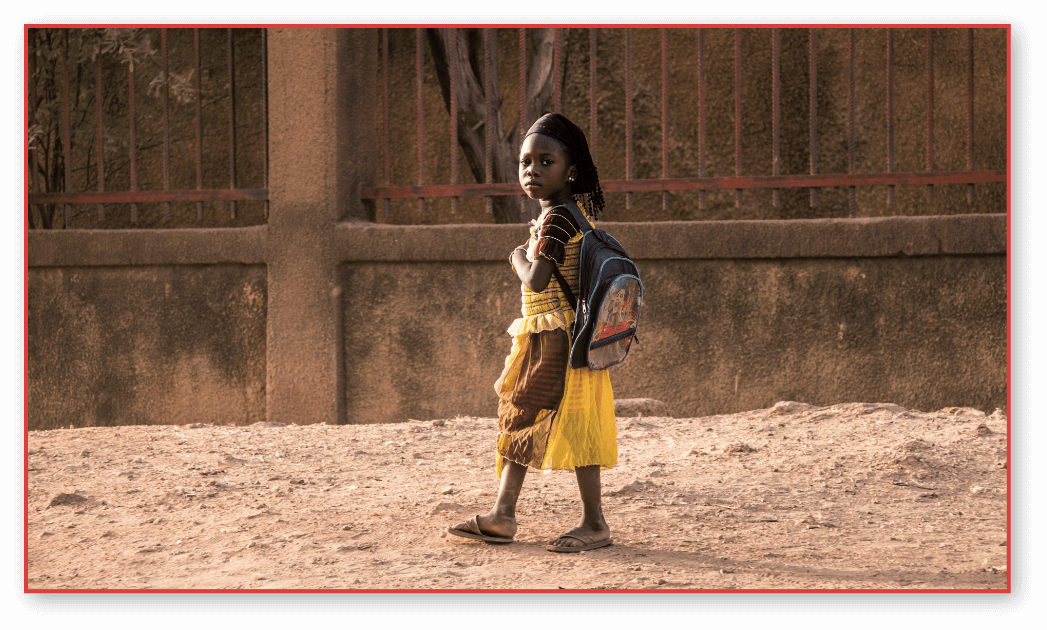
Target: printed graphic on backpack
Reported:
point(616, 323)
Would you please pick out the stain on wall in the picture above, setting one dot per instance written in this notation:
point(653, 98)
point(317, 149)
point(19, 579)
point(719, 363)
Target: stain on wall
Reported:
point(722, 336)
point(427, 340)
point(113, 346)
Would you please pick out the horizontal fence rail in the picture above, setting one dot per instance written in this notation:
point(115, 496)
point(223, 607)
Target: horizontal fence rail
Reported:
point(146, 196)
point(166, 195)
point(813, 180)
point(704, 183)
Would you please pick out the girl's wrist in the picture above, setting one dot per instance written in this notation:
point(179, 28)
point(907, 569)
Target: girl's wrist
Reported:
point(512, 256)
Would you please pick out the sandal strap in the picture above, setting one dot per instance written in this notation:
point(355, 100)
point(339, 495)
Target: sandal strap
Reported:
point(578, 538)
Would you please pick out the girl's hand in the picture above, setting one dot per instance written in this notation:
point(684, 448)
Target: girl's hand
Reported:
point(535, 275)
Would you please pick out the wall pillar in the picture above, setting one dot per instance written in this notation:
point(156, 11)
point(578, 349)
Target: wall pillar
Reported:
point(321, 86)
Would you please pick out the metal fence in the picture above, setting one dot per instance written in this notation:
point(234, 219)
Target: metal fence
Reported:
point(135, 194)
point(739, 181)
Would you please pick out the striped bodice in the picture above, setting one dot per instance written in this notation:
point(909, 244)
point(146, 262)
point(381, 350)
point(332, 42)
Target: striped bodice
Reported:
point(553, 298)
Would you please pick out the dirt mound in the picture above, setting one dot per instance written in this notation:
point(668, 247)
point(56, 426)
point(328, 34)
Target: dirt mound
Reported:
point(68, 499)
point(788, 406)
point(915, 446)
point(738, 447)
point(862, 409)
point(646, 407)
point(962, 411)
point(637, 486)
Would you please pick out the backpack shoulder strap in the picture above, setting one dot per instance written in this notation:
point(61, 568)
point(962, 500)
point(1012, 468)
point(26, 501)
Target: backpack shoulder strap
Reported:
point(568, 293)
point(578, 216)
point(583, 225)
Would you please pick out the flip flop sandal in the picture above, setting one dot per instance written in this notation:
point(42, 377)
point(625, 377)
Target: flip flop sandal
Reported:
point(595, 545)
point(475, 533)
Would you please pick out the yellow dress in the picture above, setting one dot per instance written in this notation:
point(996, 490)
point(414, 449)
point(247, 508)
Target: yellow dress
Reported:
point(581, 431)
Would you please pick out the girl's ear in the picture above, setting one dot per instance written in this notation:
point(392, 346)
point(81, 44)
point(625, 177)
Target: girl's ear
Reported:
point(572, 173)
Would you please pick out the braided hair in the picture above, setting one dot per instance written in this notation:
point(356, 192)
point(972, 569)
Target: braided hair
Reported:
point(587, 183)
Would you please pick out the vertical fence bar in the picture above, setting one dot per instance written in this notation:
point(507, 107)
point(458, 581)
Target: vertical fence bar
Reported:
point(665, 116)
point(701, 114)
point(930, 111)
point(265, 116)
point(385, 116)
point(166, 122)
point(452, 71)
point(776, 98)
point(852, 201)
point(488, 106)
point(738, 113)
point(199, 125)
point(557, 77)
point(890, 111)
point(522, 119)
point(131, 139)
point(100, 154)
point(813, 124)
point(67, 144)
point(970, 111)
point(592, 94)
point(33, 158)
point(421, 115)
point(232, 123)
point(628, 113)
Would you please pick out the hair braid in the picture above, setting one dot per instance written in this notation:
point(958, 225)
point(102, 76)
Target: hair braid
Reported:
point(589, 181)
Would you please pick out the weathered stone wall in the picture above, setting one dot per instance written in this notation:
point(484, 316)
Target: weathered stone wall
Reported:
point(427, 339)
point(723, 336)
point(737, 315)
point(173, 344)
point(172, 326)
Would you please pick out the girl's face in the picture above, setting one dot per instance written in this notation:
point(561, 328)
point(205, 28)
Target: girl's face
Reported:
point(545, 169)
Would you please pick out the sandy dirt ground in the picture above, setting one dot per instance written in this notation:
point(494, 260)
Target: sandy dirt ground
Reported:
point(853, 496)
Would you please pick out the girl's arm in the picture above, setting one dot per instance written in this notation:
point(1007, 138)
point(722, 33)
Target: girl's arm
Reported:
point(535, 275)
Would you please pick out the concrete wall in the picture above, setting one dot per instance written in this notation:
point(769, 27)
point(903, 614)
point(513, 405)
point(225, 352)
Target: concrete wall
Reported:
point(172, 344)
point(731, 335)
point(737, 315)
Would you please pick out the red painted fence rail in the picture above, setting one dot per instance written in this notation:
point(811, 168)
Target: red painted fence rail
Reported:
point(739, 182)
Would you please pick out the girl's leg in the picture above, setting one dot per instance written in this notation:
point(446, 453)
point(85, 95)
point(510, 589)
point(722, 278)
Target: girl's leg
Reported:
point(593, 527)
point(501, 519)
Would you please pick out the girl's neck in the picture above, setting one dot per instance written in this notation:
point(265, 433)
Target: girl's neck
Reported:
point(553, 202)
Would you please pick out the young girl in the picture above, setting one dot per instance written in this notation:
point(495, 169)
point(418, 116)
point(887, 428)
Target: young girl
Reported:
point(551, 416)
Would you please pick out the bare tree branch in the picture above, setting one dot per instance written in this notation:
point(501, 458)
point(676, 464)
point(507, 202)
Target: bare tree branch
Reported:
point(471, 105)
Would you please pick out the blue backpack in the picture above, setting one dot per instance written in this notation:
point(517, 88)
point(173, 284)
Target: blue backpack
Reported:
point(612, 296)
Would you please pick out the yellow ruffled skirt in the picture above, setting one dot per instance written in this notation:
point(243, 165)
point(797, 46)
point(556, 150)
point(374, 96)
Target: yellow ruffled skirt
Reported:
point(581, 431)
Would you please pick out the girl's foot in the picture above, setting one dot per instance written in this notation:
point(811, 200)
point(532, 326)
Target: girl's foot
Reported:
point(490, 525)
point(582, 538)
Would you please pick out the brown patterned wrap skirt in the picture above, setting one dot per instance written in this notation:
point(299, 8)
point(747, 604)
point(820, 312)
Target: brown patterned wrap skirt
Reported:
point(532, 382)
